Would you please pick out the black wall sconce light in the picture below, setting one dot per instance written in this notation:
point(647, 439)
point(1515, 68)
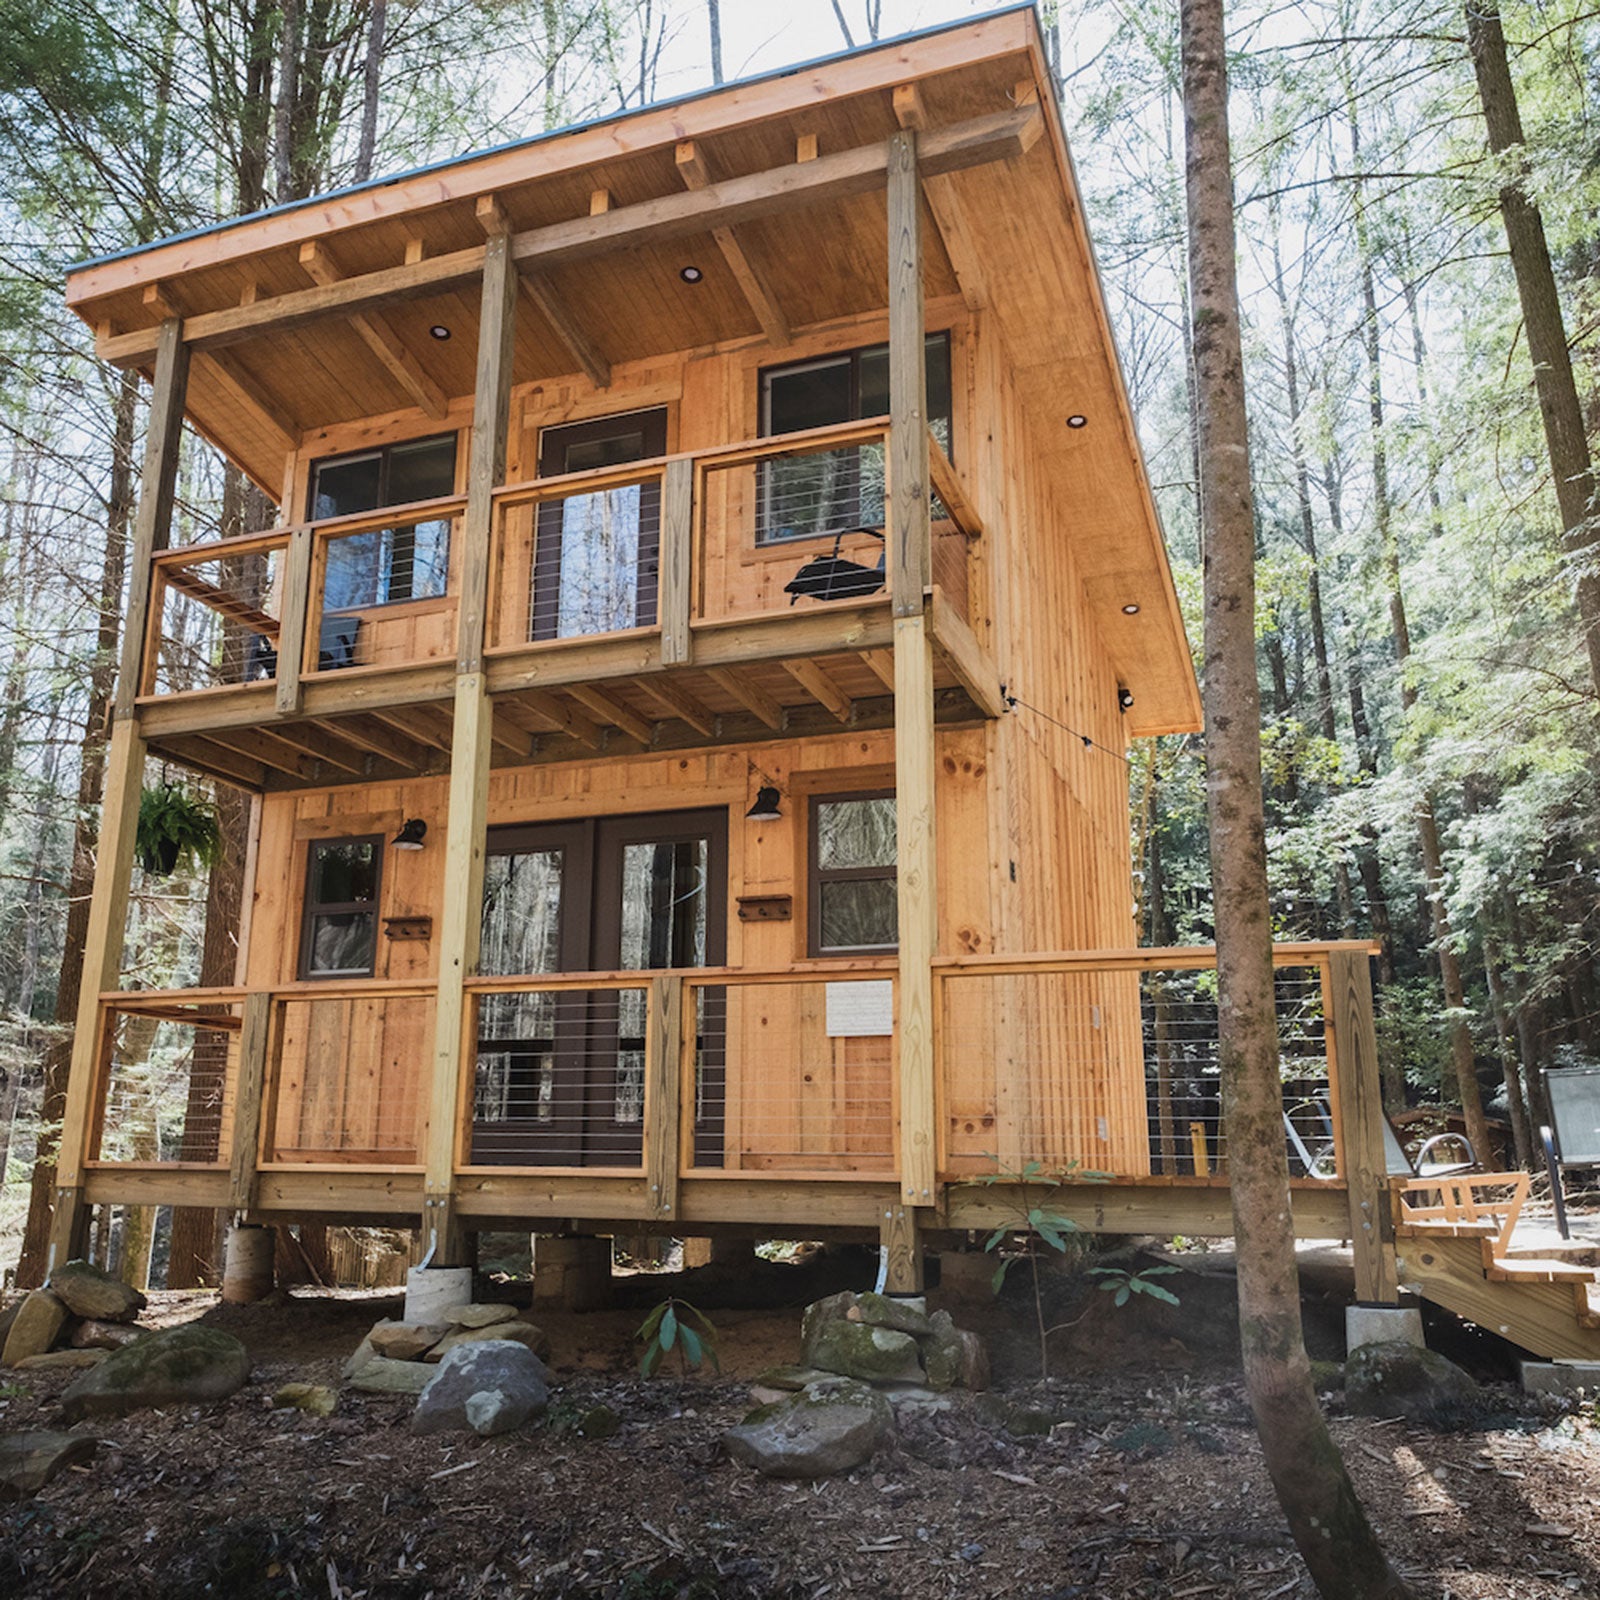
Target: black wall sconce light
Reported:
point(412, 832)
point(1124, 698)
point(767, 807)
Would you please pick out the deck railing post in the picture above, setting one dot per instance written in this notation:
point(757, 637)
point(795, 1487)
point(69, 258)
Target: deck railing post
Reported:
point(910, 542)
point(1362, 1163)
point(461, 906)
point(249, 1087)
point(676, 582)
point(124, 784)
point(663, 1103)
point(292, 620)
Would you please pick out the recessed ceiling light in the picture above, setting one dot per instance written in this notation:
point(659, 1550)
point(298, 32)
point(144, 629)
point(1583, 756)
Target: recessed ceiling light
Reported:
point(1130, 610)
point(690, 274)
point(439, 331)
point(1077, 420)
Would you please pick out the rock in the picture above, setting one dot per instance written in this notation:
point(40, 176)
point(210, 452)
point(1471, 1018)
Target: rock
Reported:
point(365, 1352)
point(818, 1315)
point(479, 1316)
point(62, 1360)
point(405, 1341)
point(104, 1335)
point(1395, 1378)
point(170, 1366)
point(87, 1291)
point(953, 1357)
point(789, 1379)
point(471, 1369)
point(528, 1333)
point(877, 1355)
point(829, 1427)
point(598, 1422)
point(28, 1461)
point(34, 1328)
point(492, 1411)
point(316, 1398)
point(908, 1314)
point(379, 1375)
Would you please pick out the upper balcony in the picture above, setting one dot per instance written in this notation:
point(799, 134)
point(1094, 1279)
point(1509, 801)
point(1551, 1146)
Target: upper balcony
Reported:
point(732, 594)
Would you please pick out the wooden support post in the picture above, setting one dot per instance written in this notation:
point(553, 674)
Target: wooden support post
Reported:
point(901, 1240)
point(675, 588)
point(1358, 1097)
point(247, 1095)
point(461, 906)
point(292, 620)
point(910, 562)
point(662, 1101)
point(108, 909)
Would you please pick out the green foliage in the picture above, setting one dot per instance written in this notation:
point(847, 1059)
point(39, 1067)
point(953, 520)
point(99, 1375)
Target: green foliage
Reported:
point(1122, 1283)
point(175, 824)
point(675, 1325)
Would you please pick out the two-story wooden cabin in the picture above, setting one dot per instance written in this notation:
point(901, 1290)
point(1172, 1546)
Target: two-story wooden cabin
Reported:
point(684, 697)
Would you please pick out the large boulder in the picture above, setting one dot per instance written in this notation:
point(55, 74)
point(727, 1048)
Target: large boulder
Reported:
point(1395, 1378)
point(183, 1366)
point(829, 1427)
point(87, 1291)
point(876, 1355)
point(908, 1314)
point(33, 1328)
point(28, 1461)
point(500, 1368)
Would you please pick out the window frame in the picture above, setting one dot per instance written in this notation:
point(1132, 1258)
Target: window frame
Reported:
point(817, 876)
point(853, 358)
point(404, 533)
point(311, 909)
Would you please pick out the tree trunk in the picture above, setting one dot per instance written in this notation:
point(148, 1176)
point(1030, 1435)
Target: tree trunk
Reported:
point(86, 830)
point(1570, 462)
point(714, 17)
point(371, 83)
point(1327, 1520)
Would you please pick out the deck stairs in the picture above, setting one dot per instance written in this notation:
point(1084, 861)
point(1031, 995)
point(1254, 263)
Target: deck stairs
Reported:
point(1457, 1242)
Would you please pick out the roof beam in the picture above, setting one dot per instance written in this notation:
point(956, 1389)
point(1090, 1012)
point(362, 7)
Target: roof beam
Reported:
point(494, 221)
point(377, 335)
point(944, 201)
point(613, 711)
point(679, 703)
point(820, 687)
point(753, 283)
point(750, 695)
point(999, 137)
point(561, 716)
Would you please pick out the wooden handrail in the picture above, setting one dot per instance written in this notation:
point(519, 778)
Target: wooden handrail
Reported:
point(1189, 958)
point(184, 555)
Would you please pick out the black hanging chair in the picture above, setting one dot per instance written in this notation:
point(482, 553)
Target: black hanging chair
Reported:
point(836, 577)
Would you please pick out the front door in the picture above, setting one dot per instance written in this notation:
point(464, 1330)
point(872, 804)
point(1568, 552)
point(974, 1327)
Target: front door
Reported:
point(560, 1073)
point(597, 555)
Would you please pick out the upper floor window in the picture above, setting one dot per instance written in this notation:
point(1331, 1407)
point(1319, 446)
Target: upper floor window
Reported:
point(802, 497)
point(339, 930)
point(854, 901)
point(410, 561)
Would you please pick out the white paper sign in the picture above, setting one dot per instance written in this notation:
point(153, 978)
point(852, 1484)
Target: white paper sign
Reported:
point(861, 1010)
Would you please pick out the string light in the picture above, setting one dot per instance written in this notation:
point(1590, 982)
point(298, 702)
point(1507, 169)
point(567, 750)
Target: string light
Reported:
point(1016, 704)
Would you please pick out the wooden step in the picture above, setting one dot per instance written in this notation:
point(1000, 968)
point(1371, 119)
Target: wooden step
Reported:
point(1430, 1228)
point(1534, 1269)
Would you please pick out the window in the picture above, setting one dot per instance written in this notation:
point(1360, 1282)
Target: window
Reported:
point(853, 898)
point(339, 937)
point(385, 565)
point(831, 491)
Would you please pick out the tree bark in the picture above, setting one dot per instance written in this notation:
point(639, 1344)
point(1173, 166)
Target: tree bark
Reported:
point(714, 17)
point(1327, 1520)
point(1565, 439)
point(371, 84)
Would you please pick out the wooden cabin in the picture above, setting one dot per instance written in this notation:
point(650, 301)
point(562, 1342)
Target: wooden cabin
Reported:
point(684, 699)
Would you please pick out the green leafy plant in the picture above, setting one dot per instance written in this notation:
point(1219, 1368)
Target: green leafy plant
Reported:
point(677, 1325)
point(1125, 1284)
point(173, 824)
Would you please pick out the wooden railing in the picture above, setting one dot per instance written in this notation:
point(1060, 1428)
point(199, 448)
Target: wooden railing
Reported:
point(1099, 1063)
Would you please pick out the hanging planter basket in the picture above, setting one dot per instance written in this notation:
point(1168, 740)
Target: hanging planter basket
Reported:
point(174, 824)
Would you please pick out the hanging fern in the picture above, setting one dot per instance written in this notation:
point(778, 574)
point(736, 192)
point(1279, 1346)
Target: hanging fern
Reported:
point(174, 824)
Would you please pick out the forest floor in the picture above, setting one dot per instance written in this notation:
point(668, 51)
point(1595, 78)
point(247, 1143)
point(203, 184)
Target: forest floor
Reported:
point(1150, 1484)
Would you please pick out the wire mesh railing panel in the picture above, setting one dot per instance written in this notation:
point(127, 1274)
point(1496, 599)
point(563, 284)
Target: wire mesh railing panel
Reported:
point(218, 620)
point(168, 1089)
point(582, 564)
point(385, 597)
point(559, 1079)
point(351, 1078)
point(793, 1077)
point(1115, 1072)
